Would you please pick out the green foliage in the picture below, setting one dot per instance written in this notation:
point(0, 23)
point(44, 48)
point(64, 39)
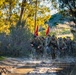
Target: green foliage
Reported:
point(66, 7)
point(20, 42)
point(2, 58)
point(17, 43)
point(10, 14)
point(15, 34)
point(39, 11)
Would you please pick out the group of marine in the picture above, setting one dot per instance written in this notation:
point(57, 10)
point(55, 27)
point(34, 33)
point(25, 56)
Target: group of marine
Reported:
point(51, 46)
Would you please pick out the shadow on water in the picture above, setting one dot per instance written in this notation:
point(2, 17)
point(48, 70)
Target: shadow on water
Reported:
point(49, 68)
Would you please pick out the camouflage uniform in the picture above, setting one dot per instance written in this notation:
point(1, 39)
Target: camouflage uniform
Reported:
point(69, 45)
point(47, 49)
point(53, 46)
point(62, 46)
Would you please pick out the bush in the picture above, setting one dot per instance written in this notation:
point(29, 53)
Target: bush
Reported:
point(17, 43)
point(20, 43)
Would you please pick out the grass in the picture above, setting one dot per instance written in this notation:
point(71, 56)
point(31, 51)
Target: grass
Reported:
point(2, 58)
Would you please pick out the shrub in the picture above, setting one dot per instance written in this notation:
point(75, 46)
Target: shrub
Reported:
point(17, 43)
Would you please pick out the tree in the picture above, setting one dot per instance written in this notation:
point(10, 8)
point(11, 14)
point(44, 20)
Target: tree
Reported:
point(67, 6)
point(34, 13)
point(8, 15)
point(22, 9)
point(15, 11)
point(70, 6)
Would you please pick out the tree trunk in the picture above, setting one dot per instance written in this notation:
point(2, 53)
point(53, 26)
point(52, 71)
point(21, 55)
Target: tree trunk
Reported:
point(22, 10)
point(10, 11)
point(35, 16)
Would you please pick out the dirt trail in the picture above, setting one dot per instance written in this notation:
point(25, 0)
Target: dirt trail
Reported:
point(24, 66)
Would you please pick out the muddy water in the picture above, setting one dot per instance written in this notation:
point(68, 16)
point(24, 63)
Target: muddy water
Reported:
point(24, 66)
point(49, 68)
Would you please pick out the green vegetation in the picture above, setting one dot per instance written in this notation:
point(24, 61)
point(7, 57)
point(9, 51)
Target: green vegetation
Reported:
point(18, 21)
point(66, 8)
point(2, 58)
point(12, 12)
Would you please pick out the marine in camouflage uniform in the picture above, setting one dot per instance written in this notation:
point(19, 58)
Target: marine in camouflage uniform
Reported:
point(69, 45)
point(62, 46)
point(53, 46)
point(47, 50)
point(38, 46)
